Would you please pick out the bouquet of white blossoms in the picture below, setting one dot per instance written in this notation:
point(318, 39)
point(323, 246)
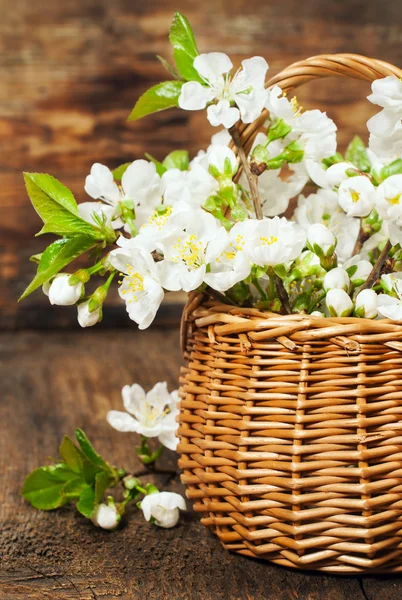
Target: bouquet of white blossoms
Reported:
point(216, 223)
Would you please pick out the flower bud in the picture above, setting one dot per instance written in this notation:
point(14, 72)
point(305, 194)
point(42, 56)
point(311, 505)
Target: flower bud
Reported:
point(62, 293)
point(366, 304)
point(163, 507)
point(106, 517)
point(86, 317)
point(317, 313)
point(339, 303)
point(358, 270)
point(321, 240)
point(336, 279)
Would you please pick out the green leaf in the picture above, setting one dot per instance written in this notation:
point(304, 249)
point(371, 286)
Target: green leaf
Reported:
point(53, 188)
point(57, 207)
point(36, 258)
point(356, 153)
point(56, 257)
point(44, 487)
point(86, 503)
point(119, 171)
point(174, 73)
point(71, 455)
point(160, 168)
point(185, 49)
point(394, 168)
point(160, 97)
point(73, 489)
point(90, 452)
point(102, 482)
point(178, 159)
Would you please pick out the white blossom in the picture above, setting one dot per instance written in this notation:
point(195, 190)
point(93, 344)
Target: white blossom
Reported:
point(106, 517)
point(313, 129)
point(388, 199)
point(192, 187)
point(140, 288)
point(185, 252)
point(339, 303)
point(140, 183)
point(273, 241)
point(336, 279)
point(386, 127)
point(242, 95)
point(163, 507)
point(151, 414)
point(61, 292)
point(227, 259)
point(357, 196)
point(391, 306)
point(366, 304)
point(87, 318)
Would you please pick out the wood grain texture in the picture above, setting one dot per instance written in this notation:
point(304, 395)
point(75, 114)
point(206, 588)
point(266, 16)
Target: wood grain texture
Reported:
point(70, 73)
point(49, 384)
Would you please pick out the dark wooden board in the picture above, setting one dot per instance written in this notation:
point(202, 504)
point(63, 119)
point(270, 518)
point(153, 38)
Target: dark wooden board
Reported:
point(52, 382)
point(70, 73)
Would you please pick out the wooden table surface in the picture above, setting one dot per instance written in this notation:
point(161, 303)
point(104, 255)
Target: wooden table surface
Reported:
point(52, 382)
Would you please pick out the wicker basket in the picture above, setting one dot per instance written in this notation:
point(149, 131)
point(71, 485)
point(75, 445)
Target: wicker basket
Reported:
point(290, 426)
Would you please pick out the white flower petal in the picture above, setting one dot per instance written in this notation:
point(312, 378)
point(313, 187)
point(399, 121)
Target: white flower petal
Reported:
point(223, 114)
point(194, 96)
point(212, 65)
point(122, 421)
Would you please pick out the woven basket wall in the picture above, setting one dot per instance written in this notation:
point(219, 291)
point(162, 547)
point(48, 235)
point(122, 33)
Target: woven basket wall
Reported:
point(291, 426)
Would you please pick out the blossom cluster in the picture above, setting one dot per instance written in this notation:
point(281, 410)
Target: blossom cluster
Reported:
point(221, 224)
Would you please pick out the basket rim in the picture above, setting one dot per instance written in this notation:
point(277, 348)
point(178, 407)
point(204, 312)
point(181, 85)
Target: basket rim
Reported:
point(203, 311)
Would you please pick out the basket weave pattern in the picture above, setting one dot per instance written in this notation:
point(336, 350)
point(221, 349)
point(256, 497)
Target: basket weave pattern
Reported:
point(291, 426)
point(291, 436)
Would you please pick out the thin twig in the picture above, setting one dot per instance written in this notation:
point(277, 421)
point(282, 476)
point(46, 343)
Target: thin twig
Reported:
point(376, 270)
point(252, 179)
point(282, 294)
point(361, 238)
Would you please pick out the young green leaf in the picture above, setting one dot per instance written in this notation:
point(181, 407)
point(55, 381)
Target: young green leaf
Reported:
point(178, 159)
point(86, 503)
point(44, 487)
point(102, 482)
point(394, 168)
point(160, 97)
point(57, 207)
point(90, 452)
point(119, 171)
point(356, 153)
point(71, 455)
point(73, 489)
point(160, 168)
point(51, 187)
point(56, 257)
point(174, 73)
point(185, 49)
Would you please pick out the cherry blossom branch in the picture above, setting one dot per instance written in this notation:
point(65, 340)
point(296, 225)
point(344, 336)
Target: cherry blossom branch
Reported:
point(376, 270)
point(251, 178)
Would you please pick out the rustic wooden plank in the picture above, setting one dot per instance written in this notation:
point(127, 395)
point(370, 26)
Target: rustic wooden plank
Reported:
point(51, 382)
point(70, 73)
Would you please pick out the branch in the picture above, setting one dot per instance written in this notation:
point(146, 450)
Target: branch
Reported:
point(376, 270)
point(282, 294)
point(252, 179)
point(361, 238)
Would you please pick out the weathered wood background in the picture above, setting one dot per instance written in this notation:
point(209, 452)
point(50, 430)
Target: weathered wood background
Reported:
point(70, 73)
